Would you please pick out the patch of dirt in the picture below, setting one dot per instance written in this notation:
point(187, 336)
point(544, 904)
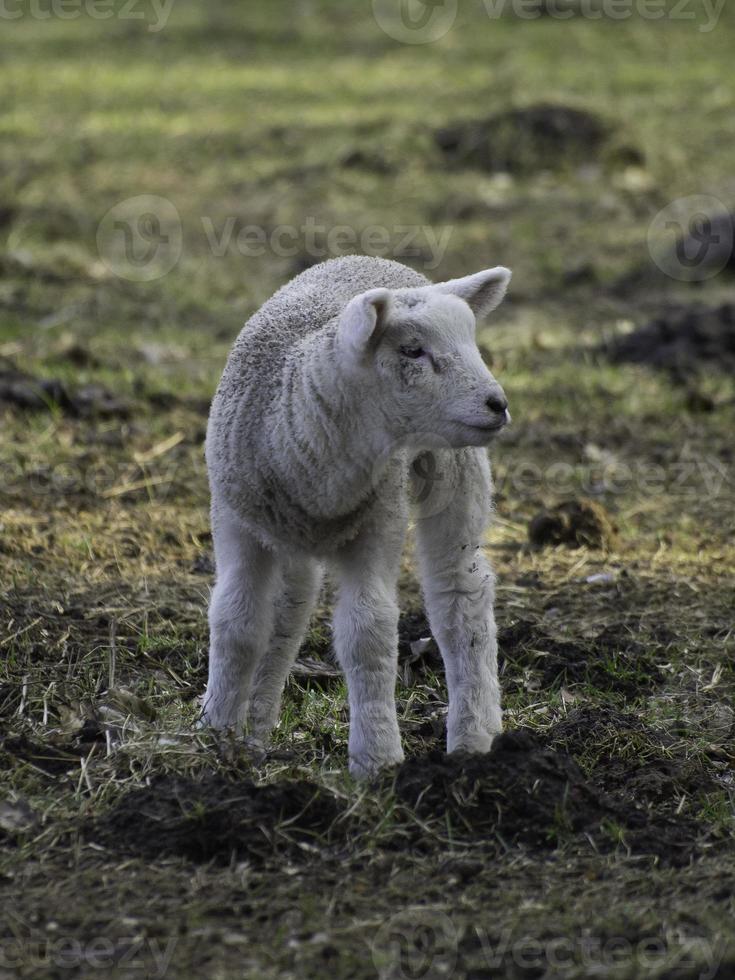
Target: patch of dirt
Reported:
point(611, 661)
point(417, 648)
point(69, 348)
point(523, 792)
point(215, 819)
point(370, 160)
point(542, 137)
point(24, 391)
point(682, 340)
point(575, 523)
point(7, 214)
point(18, 749)
point(630, 758)
point(203, 564)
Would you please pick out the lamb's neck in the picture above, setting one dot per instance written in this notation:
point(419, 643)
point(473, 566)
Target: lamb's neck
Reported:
point(330, 443)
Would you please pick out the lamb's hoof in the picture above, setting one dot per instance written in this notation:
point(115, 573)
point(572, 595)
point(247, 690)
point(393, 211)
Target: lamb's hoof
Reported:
point(364, 768)
point(205, 723)
point(478, 743)
point(256, 748)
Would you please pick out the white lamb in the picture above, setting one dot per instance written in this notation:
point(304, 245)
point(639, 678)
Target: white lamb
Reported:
point(333, 391)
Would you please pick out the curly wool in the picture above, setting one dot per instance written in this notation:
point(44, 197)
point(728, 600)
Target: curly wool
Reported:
point(279, 429)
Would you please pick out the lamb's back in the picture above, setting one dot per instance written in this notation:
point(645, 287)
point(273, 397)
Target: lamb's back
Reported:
point(316, 296)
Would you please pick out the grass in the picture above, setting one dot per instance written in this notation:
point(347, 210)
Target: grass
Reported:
point(618, 664)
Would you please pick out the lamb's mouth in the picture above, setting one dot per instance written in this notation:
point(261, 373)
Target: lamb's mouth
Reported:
point(479, 427)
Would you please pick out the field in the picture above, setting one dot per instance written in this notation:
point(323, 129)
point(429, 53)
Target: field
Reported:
point(597, 839)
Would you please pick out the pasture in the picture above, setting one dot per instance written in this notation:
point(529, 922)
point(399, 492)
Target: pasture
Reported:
point(598, 838)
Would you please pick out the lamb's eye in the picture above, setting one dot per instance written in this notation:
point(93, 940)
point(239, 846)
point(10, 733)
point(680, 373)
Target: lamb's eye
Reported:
point(413, 352)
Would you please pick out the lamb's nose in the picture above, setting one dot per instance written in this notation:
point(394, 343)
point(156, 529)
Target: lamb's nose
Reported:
point(497, 402)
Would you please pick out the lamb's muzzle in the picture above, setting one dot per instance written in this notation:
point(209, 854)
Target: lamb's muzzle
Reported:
point(497, 402)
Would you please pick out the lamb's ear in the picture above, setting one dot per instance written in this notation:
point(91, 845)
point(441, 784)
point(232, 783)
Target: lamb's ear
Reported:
point(364, 320)
point(483, 291)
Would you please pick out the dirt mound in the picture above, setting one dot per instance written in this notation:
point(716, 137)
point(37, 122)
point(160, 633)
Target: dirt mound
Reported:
point(541, 137)
point(525, 793)
point(682, 341)
point(631, 759)
point(611, 661)
point(371, 160)
point(24, 391)
point(214, 819)
point(575, 523)
point(519, 793)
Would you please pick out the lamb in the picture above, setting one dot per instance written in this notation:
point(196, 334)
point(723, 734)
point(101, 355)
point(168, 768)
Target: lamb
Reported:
point(337, 395)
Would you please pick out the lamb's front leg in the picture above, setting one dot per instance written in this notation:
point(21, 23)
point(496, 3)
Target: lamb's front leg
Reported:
point(459, 591)
point(366, 643)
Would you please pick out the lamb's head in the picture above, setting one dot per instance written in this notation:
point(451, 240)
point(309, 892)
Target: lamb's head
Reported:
point(415, 352)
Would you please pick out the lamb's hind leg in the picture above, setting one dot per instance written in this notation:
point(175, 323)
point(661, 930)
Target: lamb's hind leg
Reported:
point(240, 619)
point(459, 591)
point(301, 580)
